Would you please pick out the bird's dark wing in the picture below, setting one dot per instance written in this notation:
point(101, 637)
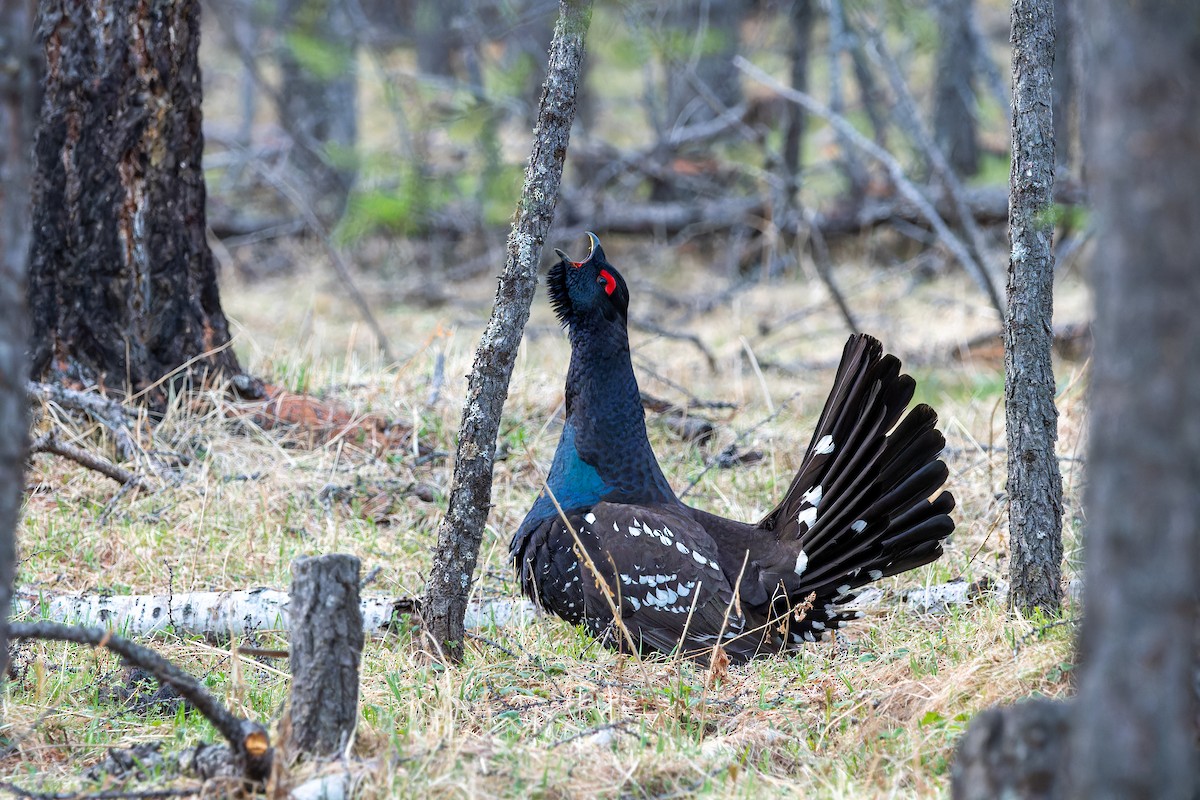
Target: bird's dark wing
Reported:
point(655, 566)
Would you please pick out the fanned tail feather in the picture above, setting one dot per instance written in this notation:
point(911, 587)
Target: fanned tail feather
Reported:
point(859, 507)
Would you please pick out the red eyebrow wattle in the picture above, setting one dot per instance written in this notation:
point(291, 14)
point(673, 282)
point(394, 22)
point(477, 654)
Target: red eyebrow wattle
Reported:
point(610, 283)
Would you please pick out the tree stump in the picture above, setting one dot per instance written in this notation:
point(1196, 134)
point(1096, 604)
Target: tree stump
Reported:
point(1015, 751)
point(326, 628)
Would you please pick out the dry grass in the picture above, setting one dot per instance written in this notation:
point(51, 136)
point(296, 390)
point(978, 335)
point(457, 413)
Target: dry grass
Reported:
point(540, 710)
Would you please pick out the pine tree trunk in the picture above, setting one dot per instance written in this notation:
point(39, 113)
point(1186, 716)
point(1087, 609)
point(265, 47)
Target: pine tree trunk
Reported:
point(122, 285)
point(954, 103)
point(461, 530)
point(1135, 734)
point(1034, 482)
point(18, 79)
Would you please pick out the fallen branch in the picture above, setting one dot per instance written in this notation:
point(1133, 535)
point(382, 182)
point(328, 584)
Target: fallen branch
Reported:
point(247, 739)
point(109, 413)
point(49, 443)
point(231, 613)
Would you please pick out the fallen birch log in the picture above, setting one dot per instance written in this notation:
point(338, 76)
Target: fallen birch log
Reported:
point(230, 613)
point(238, 613)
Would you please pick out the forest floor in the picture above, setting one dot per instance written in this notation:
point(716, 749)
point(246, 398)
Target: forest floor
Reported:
point(538, 710)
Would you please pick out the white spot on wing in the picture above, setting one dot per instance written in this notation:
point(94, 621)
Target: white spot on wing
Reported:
point(825, 445)
point(589, 518)
point(801, 563)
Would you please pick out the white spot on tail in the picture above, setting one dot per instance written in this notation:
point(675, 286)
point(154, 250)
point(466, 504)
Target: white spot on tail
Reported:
point(633, 601)
point(813, 496)
point(825, 445)
point(807, 517)
point(801, 563)
point(681, 547)
point(858, 526)
point(875, 574)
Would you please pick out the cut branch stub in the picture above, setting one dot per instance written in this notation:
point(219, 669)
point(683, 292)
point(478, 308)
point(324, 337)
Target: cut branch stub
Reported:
point(326, 628)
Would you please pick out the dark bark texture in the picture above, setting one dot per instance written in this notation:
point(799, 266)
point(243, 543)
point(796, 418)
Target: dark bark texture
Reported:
point(1134, 734)
point(318, 101)
point(18, 87)
point(954, 105)
point(461, 530)
point(1034, 481)
point(1019, 751)
point(122, 285)
point(325, 647)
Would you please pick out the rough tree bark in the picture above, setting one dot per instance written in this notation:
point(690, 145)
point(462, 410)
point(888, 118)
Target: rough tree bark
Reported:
point(461, 530)
point(1034, 482)
point(1134, 731)
point(325, 645)
point(122, 285)
point(317, 97)
point(18, 79)
point(954, 103)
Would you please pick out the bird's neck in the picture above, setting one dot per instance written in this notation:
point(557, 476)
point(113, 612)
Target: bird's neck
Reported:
point(604, 453)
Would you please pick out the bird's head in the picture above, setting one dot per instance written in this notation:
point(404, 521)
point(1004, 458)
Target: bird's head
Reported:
point(587, 290)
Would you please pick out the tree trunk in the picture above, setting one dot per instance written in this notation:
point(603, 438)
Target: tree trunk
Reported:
point(1064, 84)
point(796, 119)
point(325, 627)
point(954, 103)
point(1034, 482)
point(18, 88)
point(461, 530)
point(1012, 752)
point(701, 39)
point(318, 99)
point(1134, 733)
point(122, 286)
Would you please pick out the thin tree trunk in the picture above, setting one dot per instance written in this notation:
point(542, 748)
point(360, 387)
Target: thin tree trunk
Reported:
point(318, 99)
point(954, 92)
point(1034, 482)
point(796, 120)
point(1134, 734)
point(461, 531)
point(18, 79)
point(122, 285)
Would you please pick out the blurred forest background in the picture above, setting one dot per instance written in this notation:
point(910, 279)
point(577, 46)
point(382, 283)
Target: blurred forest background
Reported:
point(398, 132)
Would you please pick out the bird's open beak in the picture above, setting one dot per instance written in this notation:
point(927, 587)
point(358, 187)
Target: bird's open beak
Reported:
point(593, 239)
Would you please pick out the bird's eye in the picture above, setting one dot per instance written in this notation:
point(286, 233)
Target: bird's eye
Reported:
point(610, 283)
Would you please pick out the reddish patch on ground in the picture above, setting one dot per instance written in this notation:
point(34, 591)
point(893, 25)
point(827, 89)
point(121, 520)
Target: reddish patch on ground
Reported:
point(314, 421)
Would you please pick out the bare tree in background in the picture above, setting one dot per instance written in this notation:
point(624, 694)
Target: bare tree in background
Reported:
point(122, 285)
point(795, 122)
point(1064, 83)
point(700, 39)
point(317, 94)
point(1034, 481)
point(954, 105)
point(461, 531)
point(1135, 732)
point(18, 91)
